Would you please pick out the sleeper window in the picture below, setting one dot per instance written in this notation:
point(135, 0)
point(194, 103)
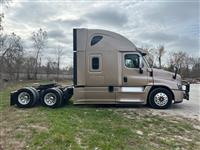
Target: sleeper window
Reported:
point(95, 63)
point(132, 61)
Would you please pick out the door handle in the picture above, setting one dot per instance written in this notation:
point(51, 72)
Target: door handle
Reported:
point(125, 79)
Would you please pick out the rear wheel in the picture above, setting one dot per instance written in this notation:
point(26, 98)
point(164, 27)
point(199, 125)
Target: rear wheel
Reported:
point(160, 98)
point(37, 95)
point(52, 98)
point(27, 97)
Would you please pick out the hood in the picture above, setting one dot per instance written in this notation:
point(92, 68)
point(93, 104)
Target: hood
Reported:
point(163, 74)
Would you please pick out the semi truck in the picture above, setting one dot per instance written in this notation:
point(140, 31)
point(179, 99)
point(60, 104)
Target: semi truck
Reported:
point(108, 69)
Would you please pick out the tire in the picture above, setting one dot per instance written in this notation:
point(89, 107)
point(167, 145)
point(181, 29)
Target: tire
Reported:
point(26, 97)
point(52, 98)
point(160, 98)
point(37, 95)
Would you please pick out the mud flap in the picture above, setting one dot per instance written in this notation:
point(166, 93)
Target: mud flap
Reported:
point(13, 98)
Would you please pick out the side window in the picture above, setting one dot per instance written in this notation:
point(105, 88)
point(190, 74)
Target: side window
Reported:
point(131, 61)
point(95, 40)
point(95, 64)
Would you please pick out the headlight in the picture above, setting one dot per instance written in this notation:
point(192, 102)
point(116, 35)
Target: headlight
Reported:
point(183, 87)
point(179, 85)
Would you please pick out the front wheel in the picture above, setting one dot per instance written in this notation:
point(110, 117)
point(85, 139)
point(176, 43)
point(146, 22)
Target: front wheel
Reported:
point(160, 98)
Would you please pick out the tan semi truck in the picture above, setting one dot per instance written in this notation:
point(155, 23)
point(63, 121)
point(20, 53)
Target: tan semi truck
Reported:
point(108, 69)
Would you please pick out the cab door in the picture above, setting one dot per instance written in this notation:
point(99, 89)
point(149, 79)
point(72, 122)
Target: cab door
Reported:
point(133, 74)
point(134, 78)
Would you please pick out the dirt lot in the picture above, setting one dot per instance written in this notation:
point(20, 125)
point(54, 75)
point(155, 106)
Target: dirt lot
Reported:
point(98, 127)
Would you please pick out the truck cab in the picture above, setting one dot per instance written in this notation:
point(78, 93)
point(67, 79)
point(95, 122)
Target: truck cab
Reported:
point(110, 69)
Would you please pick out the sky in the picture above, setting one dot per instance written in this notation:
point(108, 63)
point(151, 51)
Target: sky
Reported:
point(148, 24)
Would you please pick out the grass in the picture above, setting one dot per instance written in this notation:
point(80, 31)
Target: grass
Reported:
point(91, 127)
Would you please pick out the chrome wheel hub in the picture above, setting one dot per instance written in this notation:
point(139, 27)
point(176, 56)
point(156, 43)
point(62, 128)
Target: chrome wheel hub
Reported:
point(161, 99)
point(50, 99)
point(24, 98)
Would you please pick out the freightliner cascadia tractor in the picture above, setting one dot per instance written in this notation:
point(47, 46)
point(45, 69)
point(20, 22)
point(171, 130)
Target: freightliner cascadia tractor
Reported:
point(108, 69)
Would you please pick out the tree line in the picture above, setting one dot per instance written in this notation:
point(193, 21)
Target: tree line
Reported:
point(15, 59)
point(188, 65)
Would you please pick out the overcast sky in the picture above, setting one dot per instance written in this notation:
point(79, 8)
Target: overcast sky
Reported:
point(172, 23)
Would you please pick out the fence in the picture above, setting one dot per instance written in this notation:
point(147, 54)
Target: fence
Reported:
point(40, 76)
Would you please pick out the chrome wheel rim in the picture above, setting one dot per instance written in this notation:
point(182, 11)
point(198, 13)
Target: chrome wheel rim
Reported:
point(161, 99)
point(50, 99)
point(24, 98)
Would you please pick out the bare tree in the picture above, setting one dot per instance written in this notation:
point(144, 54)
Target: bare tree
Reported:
point(39, 42)
point(48, 66)
point(1, 22)
point(150, 55)
point(11, 53)
point(187, 64)
point(59, 56)
point(3, 3)
point(69, 70)
point(177, 59)
point(29, 63)
point(18, 62)
point(160, 53)
point(195, 73)
point(3, 50)
point(3, 37)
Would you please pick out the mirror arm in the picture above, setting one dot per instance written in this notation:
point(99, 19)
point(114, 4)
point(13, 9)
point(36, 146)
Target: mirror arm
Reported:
point(140, 66)
point(174, 76)
point(141, 70)
point(176, 71)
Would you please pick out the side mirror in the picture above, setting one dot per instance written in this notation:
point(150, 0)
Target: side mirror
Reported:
point(141, 65)
point(175, 71)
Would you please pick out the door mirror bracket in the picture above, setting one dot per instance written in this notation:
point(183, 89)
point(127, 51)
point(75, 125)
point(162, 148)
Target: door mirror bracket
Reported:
point(141, 70)
point(141, 65)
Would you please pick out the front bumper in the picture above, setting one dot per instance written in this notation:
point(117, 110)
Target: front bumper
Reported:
point(182, 93)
